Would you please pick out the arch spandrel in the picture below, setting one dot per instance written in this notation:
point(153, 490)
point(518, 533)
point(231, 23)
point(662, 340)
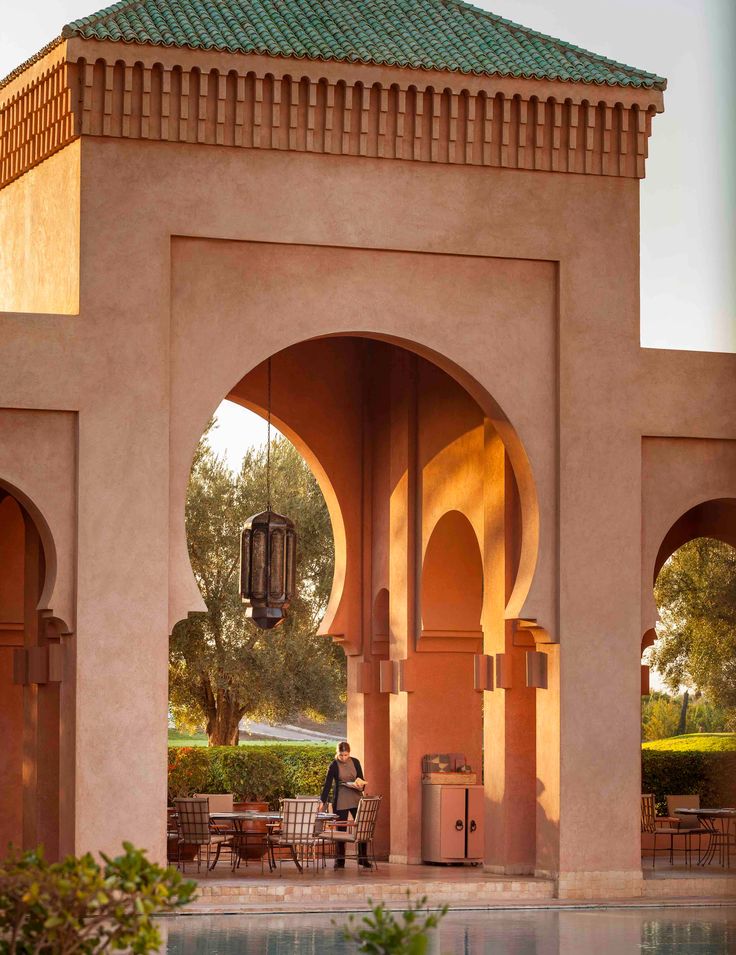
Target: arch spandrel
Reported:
point(274, 296)
point(38, 468)
point(688, 487)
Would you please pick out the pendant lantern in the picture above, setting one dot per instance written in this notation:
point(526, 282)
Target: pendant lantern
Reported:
point(268, 556)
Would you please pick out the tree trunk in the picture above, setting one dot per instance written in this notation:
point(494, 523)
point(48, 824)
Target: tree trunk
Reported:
point(683, 714)
point(223, 724)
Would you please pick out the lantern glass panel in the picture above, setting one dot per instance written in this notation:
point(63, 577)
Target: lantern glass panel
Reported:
point(276, 581)
point(245, 562)
point(290, 564)
point(258, 563)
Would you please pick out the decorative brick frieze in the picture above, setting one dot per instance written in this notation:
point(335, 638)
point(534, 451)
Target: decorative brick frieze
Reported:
point(418, 117)
point(36, 121)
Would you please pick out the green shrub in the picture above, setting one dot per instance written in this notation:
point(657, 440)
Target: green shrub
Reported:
point(711, 775)
point(189, 771)
point(79, 906)
point(249, 773)
point(306, 768)
point(262, 773)
point(382, 933)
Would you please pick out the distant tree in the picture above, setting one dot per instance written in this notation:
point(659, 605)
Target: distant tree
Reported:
point(696, 645)
point(704, 717)
point(222, 668)
point(661, 716)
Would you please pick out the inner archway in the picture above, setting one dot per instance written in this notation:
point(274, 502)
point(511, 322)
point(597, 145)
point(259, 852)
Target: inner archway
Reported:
point(401, 448)
point(688, 685)
point(29, 689)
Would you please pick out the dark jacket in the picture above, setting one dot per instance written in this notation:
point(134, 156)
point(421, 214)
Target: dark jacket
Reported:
point(331, 781)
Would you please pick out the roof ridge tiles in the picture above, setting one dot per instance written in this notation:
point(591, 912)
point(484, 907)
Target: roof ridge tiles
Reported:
point(557, 41)
point(443, 35)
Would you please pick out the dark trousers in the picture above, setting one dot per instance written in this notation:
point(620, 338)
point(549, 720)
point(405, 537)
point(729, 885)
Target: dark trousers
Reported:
point(342, 816)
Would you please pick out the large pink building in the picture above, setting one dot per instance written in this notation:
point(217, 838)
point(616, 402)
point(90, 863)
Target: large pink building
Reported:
point(429, 217)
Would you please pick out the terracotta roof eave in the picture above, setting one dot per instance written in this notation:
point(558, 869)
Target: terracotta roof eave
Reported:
point(367, 61)
point(22, 67)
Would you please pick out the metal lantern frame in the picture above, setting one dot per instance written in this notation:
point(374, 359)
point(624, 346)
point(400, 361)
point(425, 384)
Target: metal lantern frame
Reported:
point(268, 556)
point(268, 567)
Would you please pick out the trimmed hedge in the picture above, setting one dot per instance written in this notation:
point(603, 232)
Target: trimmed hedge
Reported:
point(266, 773)
point(711, 775)
point(260, 773)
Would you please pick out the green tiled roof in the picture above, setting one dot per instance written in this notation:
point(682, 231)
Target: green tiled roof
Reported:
point(422, 34)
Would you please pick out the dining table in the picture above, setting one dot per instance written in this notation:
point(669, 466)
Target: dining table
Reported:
point(272, 820)
point(718, 823)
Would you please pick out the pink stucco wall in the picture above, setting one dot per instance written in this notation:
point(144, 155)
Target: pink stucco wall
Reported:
point(197, 262)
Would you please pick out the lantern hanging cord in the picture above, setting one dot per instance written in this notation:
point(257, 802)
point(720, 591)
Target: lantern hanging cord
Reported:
point(268, 443)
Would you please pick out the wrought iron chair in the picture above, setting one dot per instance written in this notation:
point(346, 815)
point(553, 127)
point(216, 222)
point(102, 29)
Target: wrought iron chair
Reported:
point(193, 823)
point(689, 826)
point(296, 833)
point(219, 802)
point(650, 827)
point(358, 832)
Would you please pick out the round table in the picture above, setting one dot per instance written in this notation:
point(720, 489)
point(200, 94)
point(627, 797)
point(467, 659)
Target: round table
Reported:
point(719, 836)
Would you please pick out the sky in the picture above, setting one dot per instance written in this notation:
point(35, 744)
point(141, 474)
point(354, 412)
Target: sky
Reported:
point(688, 200)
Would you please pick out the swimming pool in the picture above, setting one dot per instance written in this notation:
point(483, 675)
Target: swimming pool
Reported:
point(619, 931)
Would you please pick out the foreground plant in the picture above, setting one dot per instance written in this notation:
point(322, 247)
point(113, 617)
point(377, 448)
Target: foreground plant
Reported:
point(79, 906)
point(382, 933)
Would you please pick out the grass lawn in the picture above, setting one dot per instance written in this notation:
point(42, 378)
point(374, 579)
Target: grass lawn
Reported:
point(182, 739)
point(200, 739)
point(694, 742)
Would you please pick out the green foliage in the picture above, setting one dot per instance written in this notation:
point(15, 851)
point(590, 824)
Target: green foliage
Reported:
point(711, 775)
point(695, 742)
point(78, 906)
point(249, 773)
point(381, 933)
point(306, 768)
point(262, 773)
point(222, 668)
point(189, 771)
point(696, 646)
point(660, 716)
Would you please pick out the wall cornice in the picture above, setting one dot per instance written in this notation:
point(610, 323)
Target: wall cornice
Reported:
point(90, 88)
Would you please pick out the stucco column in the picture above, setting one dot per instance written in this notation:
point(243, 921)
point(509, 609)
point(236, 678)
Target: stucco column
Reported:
point(509, 733)
point(122, 626)
point(402, 585)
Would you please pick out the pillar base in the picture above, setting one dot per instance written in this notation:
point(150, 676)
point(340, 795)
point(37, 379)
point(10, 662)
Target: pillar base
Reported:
point(620, 884)
point(519, 869)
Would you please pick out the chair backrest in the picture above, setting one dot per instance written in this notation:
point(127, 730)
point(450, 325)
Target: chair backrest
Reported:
point(219, 802)
point(193, 818)
point(365, 818)
point(648, 816)
point(684, 802)
point(298, 817)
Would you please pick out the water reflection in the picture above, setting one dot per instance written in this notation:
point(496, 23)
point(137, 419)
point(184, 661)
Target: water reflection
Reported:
point(669, 931)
